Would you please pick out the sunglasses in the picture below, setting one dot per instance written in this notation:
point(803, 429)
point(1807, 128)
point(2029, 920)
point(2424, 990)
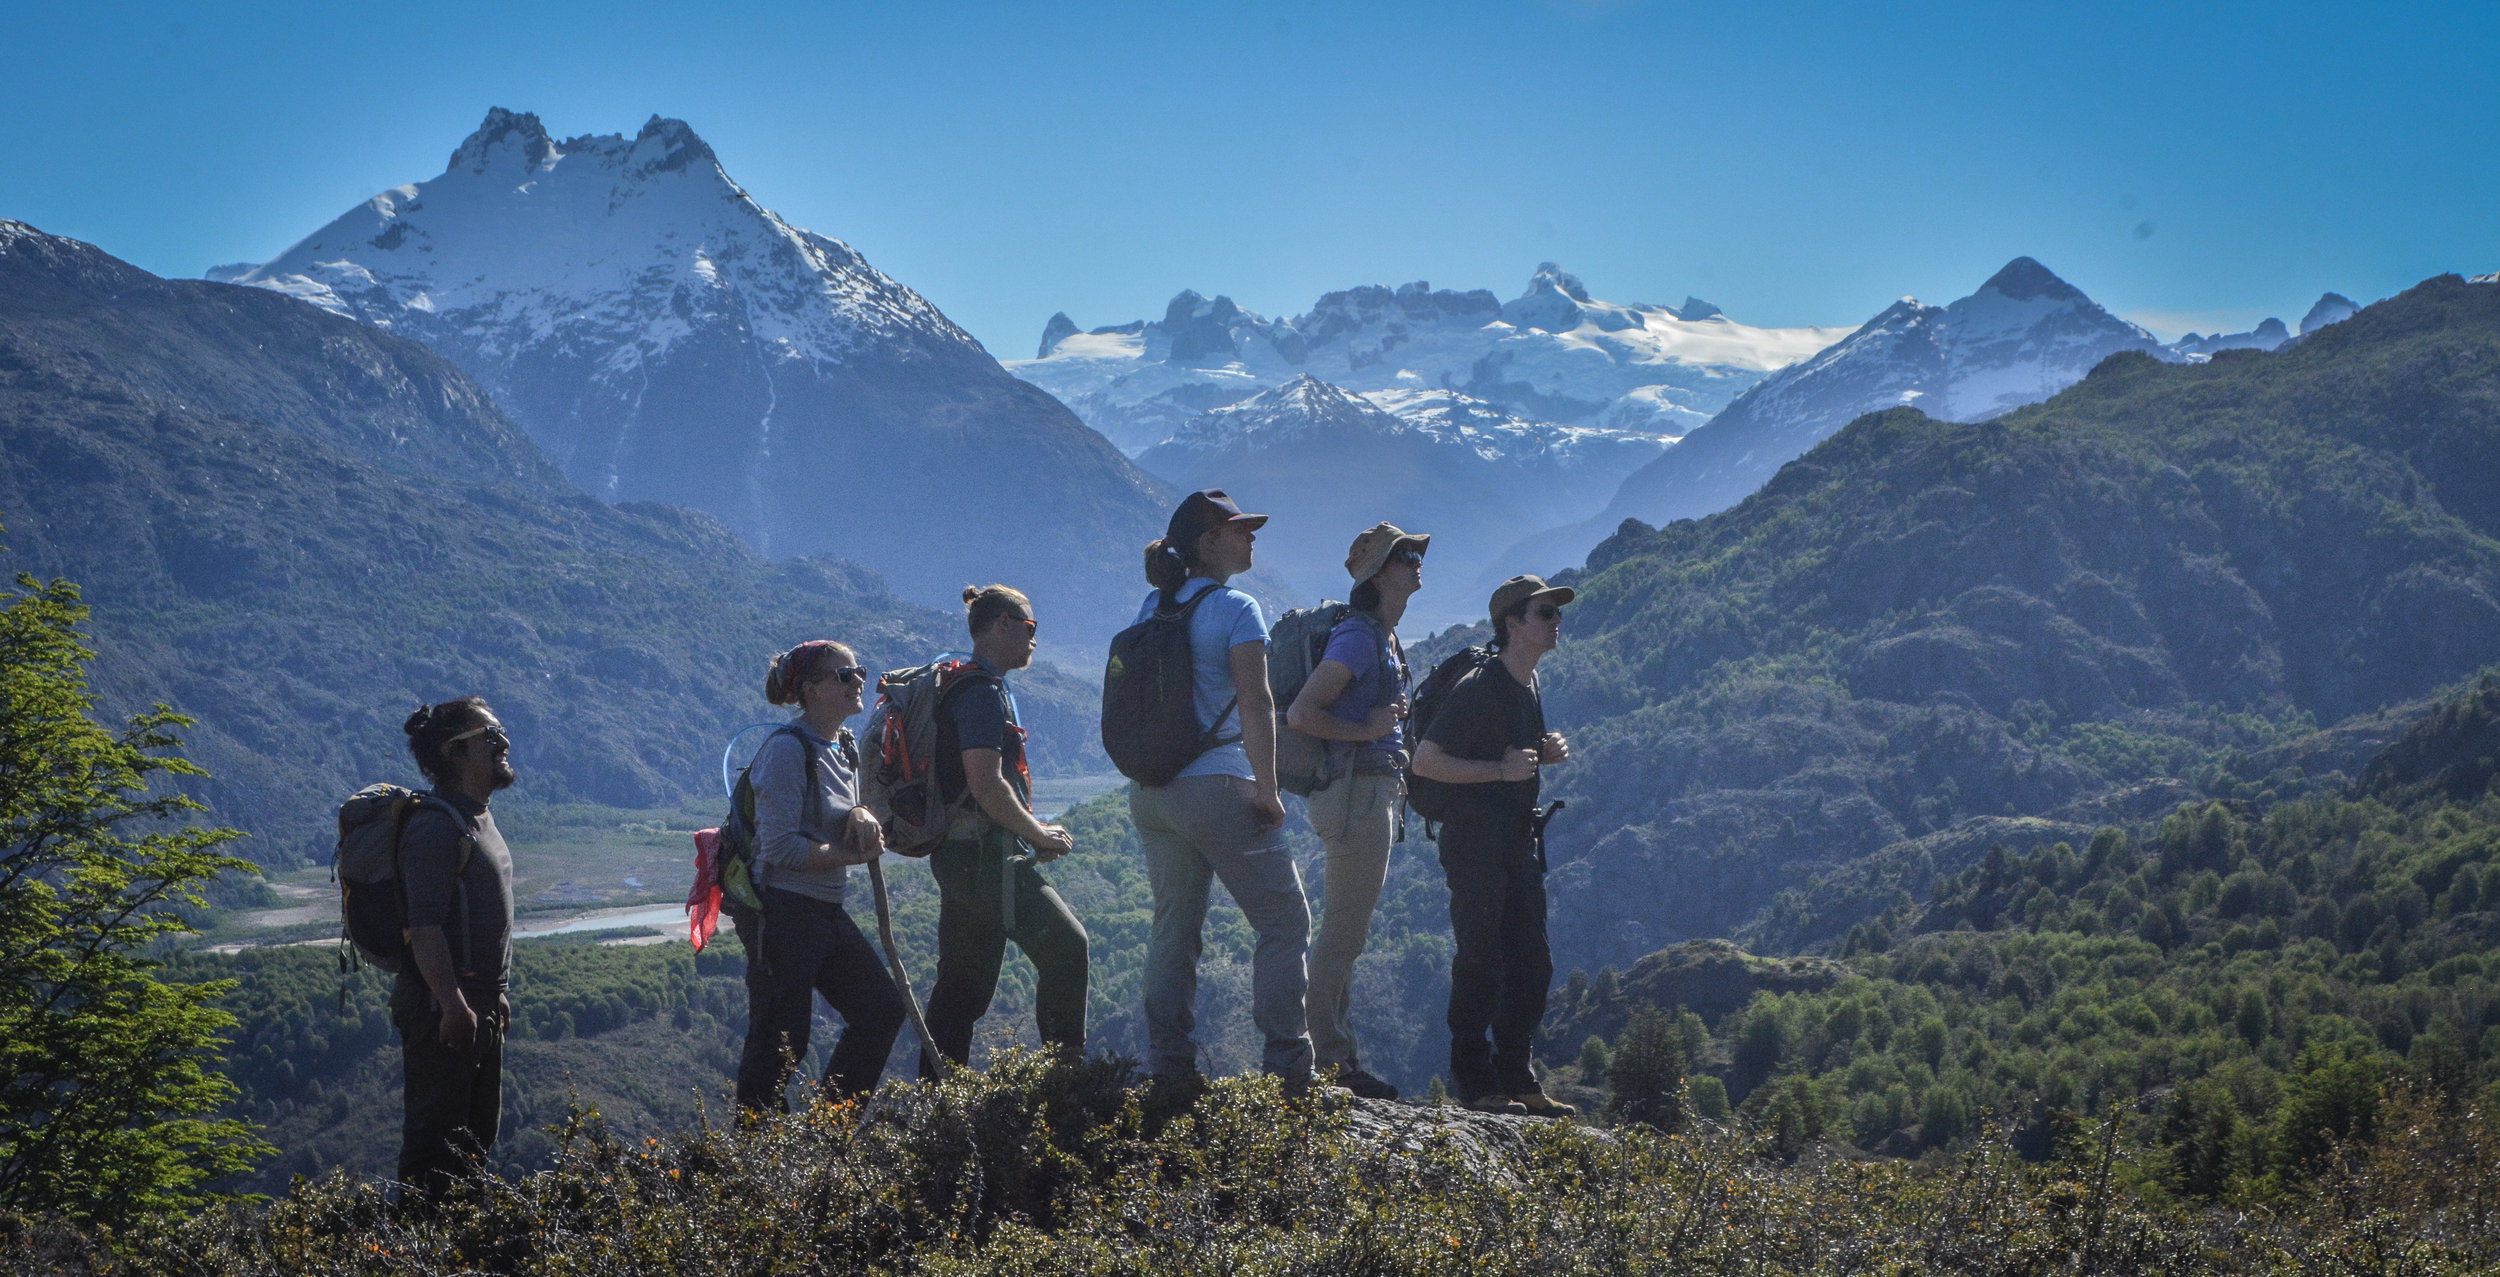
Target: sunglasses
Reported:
point(1411, 558)
point(494, 736)
point(1546, 612)
point(1031, 626)
point(848, 674)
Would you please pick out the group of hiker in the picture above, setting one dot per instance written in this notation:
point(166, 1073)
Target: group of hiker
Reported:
point(1191, 715)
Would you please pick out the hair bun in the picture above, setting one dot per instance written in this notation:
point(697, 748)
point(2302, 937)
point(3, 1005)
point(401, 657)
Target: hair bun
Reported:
point(971, 592)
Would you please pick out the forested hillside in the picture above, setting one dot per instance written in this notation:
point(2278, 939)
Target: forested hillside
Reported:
point(1923, 638)
point(294, 527)
point(2243, 982)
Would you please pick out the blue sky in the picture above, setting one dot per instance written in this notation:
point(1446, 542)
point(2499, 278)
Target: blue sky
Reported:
point(2192, 165)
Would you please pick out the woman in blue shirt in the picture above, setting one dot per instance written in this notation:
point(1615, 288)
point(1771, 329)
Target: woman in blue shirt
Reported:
point(1221, 817)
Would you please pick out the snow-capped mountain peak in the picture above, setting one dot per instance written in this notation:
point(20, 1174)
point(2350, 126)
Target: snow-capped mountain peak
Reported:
point(664, 337)
point(636, 243)
point(1556, 353)
point(1556, 302)
point(1301, 407)
point(2022, 336)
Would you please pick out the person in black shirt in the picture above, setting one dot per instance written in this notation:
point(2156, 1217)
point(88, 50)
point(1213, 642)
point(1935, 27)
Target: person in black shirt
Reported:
point(451, 1001)
point(988, 891)
point(1489, 740)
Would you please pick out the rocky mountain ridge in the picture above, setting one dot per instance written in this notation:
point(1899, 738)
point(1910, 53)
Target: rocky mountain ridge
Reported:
point(2022, 336)
point(1553, 354)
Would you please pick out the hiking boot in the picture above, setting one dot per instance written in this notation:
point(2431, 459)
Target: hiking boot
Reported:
point(1309, 1086)
point(1355, 1078)
point(1496, 1102)
point(1536, 1103)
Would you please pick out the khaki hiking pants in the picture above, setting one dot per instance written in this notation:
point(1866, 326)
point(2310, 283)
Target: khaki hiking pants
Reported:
point(1356, 818)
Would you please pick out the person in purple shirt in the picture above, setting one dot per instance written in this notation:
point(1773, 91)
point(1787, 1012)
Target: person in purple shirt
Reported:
point(1355, 699)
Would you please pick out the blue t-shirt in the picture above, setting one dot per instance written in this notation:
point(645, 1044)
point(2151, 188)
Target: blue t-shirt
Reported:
point(983, 717)
point(1226, 620)
point(1356, 644)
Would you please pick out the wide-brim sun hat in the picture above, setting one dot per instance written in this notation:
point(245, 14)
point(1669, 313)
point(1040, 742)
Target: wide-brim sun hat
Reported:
point(1378, 543)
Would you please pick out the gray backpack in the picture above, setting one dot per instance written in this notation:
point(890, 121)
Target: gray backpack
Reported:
point(1306, 764)
point(373, 900)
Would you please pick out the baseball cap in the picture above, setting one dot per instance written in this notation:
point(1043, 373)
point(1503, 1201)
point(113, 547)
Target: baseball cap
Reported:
point(1202, 510)
point(1519, 591)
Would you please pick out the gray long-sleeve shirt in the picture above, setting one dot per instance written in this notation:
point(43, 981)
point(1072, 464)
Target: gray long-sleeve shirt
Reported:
point(791, 823)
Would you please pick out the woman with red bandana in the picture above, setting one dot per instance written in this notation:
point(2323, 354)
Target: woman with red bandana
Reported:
point(809, 830)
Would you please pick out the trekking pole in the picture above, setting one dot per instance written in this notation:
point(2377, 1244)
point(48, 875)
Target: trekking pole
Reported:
point(902, 979)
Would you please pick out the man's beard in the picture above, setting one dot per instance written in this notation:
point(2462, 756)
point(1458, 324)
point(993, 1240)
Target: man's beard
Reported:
point(503, 774)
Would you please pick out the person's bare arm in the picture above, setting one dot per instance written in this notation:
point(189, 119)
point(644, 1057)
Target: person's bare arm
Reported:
point(1258, 729)
point(1435, 763)
point(1309, 714)
point(985, 774)
point(433, 953)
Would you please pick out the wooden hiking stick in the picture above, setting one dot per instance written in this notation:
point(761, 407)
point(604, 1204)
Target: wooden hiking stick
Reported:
point(902, 979)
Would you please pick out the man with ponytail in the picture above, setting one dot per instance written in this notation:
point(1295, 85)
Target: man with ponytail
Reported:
point(1221, 816)
point(451, 1004)
point(988, 891)
point(809, 830)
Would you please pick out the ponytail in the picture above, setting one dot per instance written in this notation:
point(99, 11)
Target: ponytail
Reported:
point(791, 670)
point(1167, 567)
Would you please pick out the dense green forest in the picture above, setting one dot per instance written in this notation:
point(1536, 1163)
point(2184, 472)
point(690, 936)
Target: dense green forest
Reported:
point(2241, 982)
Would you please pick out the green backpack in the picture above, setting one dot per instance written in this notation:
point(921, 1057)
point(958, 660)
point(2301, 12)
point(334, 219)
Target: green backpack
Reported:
point(733, 859)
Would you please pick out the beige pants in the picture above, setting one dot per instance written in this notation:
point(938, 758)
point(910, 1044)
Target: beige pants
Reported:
point(1356, 818)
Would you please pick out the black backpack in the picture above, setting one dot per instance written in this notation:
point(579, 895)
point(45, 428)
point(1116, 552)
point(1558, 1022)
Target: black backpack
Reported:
point(1430, 798)
point(1149, 697)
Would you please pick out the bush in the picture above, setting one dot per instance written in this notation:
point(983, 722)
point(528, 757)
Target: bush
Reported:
point(1647, 1072)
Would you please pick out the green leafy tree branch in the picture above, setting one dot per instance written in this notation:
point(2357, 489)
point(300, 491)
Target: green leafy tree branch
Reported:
point(108, 1078)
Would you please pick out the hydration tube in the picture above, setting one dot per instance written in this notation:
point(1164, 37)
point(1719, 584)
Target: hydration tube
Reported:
point(729, 767)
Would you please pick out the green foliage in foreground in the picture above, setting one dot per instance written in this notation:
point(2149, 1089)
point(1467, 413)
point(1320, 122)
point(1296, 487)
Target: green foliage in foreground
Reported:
point(1038, 1168)
point(103, 1065)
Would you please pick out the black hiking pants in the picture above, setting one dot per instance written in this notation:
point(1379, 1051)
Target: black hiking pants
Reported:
point(811, 946)
point(1502, 969)
point(985, 899)
point(454, 1099)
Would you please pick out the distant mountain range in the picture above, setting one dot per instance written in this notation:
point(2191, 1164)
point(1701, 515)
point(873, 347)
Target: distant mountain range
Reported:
point(1552, 354)
point(1921, 639)
point(663, 337)
point(294, 527)
point(2024, 335)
